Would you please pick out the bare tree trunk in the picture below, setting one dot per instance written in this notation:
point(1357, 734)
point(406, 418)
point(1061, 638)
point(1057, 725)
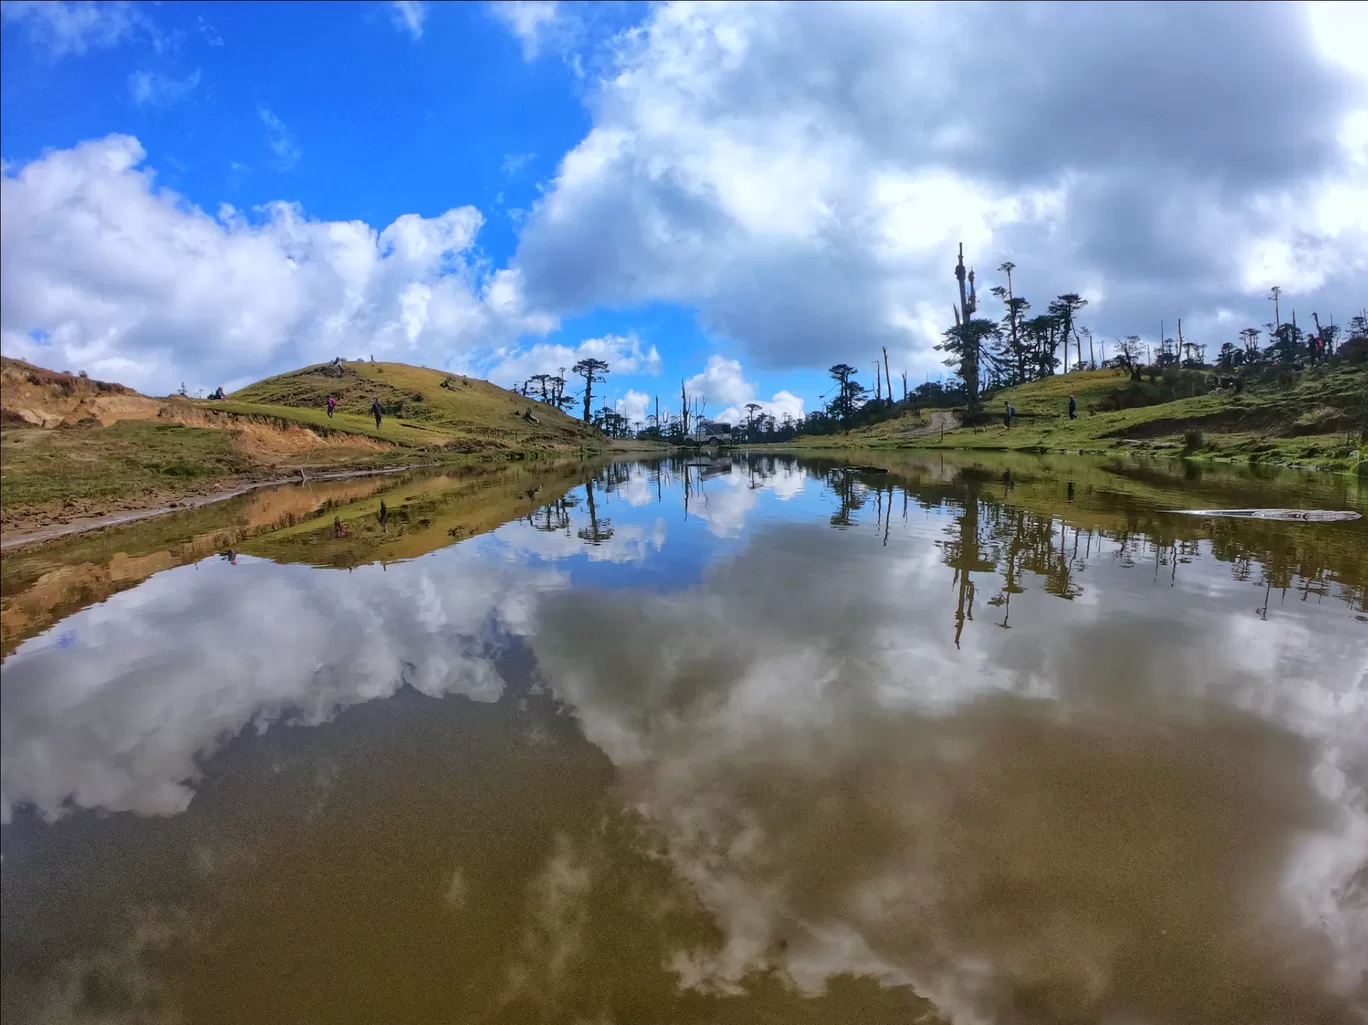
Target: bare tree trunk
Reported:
point(904, 376)
point(887, 376)
point(684, 407)
point(878, 383)
point(969, 356)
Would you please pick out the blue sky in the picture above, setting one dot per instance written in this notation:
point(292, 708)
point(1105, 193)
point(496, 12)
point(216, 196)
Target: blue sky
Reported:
point(383, 123)
point(738, 195)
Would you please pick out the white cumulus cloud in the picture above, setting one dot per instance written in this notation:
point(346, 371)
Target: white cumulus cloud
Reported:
point(801, 174)
point(634, 406)
point(722, 383)
point(624, 354)
point(106, 272)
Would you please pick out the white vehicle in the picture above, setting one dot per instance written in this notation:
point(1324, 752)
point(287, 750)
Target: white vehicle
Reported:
point(710, 433)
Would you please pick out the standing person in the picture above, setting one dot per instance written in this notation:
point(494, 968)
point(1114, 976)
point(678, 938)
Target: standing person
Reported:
point(332, 406)
point(1073, 408)
point(1007, 412)
point(378, 411)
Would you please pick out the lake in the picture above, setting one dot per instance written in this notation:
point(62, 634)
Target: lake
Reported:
point(744, 739)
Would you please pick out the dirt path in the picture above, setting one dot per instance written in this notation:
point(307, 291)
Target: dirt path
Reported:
point(79, 526)
point(942, 420)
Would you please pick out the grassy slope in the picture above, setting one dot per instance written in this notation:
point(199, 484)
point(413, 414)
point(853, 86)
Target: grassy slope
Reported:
point(471, 415)
point(95, 465)
point(56, 475)
point(1304, 422)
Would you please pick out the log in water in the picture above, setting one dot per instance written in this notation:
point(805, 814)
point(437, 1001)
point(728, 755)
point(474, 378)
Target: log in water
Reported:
point(1306, 515)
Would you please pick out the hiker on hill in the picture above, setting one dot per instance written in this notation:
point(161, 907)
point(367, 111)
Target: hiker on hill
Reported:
point(1008, 414)
point(218, 393)
point(1073, 408)
point(378, 410)
point(332, 406)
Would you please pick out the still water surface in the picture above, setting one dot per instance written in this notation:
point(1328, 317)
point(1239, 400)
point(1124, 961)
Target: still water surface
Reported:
point(759, 740)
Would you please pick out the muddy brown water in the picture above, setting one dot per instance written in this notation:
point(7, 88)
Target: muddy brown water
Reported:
point(748, 739)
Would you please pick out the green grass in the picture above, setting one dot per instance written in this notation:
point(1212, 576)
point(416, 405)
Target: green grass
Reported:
point(430, 417)
point(1312, 419)
point(391, 430)
point(467, 415)
point(92, 464)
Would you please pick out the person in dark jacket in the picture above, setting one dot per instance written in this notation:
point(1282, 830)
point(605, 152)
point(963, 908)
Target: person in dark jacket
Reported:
point(1073, 408)
point(379, 412)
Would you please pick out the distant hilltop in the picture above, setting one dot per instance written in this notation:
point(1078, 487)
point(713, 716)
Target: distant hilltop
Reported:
point(421, 407)
point(78, 450)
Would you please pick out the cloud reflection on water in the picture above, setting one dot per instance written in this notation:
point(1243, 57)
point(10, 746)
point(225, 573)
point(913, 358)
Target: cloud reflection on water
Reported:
point(157, 677)
point(1141, 803)
point(1050, 825)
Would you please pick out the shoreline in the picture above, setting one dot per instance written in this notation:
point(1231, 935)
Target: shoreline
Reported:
point(43, 535)
point(1124, 447)
point(23, 538)
point(46, 534)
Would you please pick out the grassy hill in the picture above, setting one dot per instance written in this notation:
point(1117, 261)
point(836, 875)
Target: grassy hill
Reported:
point(75, 448)
point(1314, 418)
point(423, 408)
